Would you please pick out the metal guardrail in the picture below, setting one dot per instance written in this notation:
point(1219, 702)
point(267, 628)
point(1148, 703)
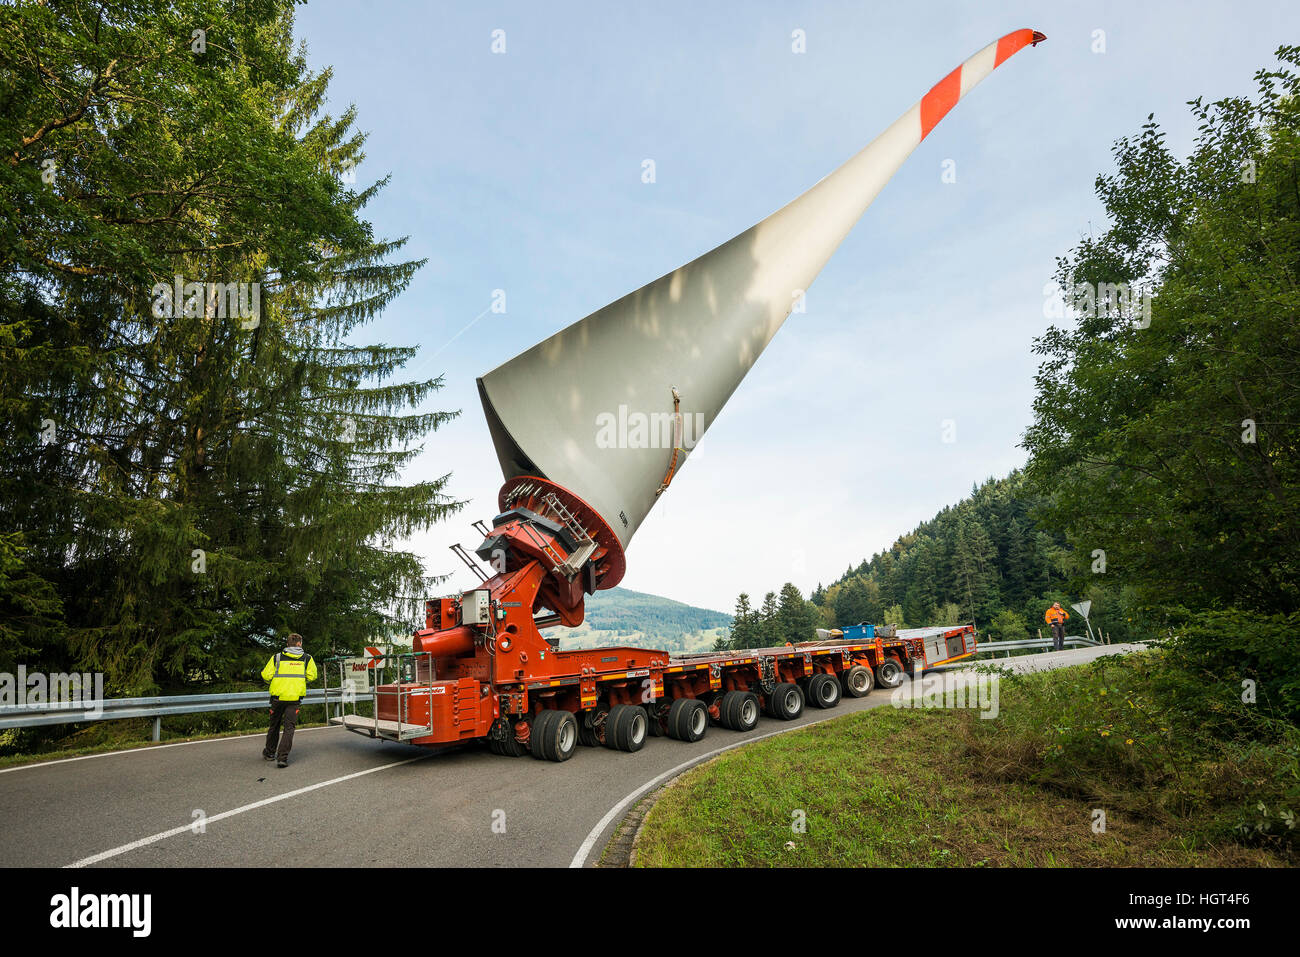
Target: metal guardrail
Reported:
point(1077, 641)
point(113, 709)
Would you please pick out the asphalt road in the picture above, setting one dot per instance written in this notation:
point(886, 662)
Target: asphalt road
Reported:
point(346, 800)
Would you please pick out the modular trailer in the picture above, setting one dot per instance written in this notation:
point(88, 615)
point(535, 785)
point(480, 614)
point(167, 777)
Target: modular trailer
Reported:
point(481, 669)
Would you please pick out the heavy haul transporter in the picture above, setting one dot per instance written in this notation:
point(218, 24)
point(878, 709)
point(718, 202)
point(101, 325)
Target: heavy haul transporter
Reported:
point(579, 482)
point(481, 667)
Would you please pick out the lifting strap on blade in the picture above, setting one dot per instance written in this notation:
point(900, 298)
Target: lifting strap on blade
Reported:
point(677, 443)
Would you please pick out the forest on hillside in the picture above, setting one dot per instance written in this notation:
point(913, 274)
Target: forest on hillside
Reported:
point(619, 616)
point(983, 560)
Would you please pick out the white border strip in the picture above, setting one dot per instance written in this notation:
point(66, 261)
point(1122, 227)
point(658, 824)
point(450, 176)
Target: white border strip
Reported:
point(585, 848)
point(146, 748)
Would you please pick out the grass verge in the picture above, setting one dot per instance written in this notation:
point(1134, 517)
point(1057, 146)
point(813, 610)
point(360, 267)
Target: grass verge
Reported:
point(937, 788)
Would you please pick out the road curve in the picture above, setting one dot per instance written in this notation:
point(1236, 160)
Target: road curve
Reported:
point(346, 800)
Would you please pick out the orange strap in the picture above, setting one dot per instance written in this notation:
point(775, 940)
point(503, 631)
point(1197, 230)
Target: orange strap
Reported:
point(677, 444)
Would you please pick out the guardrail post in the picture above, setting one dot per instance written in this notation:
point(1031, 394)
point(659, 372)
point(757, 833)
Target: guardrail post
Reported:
point(157, 728)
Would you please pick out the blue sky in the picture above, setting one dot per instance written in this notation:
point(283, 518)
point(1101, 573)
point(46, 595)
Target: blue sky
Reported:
point(522, 171)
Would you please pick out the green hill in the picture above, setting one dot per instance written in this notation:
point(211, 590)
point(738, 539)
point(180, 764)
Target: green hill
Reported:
point(623, 617)
point(984, 560)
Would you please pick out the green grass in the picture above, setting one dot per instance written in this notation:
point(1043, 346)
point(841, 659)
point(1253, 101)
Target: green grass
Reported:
point(938, 788)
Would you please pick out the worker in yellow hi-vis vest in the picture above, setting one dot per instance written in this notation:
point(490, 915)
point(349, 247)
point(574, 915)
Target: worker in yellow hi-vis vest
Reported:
point(288, 672)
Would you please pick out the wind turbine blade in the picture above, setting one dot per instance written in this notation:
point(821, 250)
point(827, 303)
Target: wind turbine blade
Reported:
point(591, 408)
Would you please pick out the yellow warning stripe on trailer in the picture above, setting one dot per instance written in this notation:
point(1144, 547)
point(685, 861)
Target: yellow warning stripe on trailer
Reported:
point(619, 676)
point(944, 661)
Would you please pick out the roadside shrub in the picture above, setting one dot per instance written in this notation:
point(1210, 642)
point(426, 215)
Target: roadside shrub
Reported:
point(1234, 646)
point(1147, 735)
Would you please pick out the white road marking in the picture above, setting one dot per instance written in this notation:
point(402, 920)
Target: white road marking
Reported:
point(155, 838)
point(144, 748)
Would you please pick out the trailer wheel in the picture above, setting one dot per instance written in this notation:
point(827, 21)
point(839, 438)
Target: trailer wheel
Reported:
point(626, 727)
point(688, 719)
point(889, 674)
point(785, 702)
point(858, 681)
point(726, 708)
point(740, 710)
point(537, 733)
point(823, 690)
point(554, 735)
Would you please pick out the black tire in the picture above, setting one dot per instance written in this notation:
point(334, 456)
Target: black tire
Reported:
point(511, 747)
point(858, 681)
point(627, 727)
point(744, 715)
point(538, 732)
point(727, 708)
point(824, 690)
point(785, 702)
point(564, 736)
point(889, 674)
point(554, 735)
point(688, 719)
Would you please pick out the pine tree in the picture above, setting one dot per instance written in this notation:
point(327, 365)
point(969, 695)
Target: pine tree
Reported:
point(922, 591)
point(768, 628)
point(743, 625)
point(858, 601)
point(796, 618)
point(196, 466)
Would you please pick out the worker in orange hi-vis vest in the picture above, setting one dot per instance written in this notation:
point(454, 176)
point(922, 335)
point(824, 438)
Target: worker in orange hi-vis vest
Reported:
point(1056, 616)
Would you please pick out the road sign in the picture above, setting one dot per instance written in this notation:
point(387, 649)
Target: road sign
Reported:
point(357, 670)
point(373, 655)
point(1083, 608)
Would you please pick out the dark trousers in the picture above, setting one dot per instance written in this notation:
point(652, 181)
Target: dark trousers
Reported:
point(1058, 636)
point(282, 713)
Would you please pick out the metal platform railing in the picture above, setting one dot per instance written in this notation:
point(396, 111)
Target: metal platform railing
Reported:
point(412, 673)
